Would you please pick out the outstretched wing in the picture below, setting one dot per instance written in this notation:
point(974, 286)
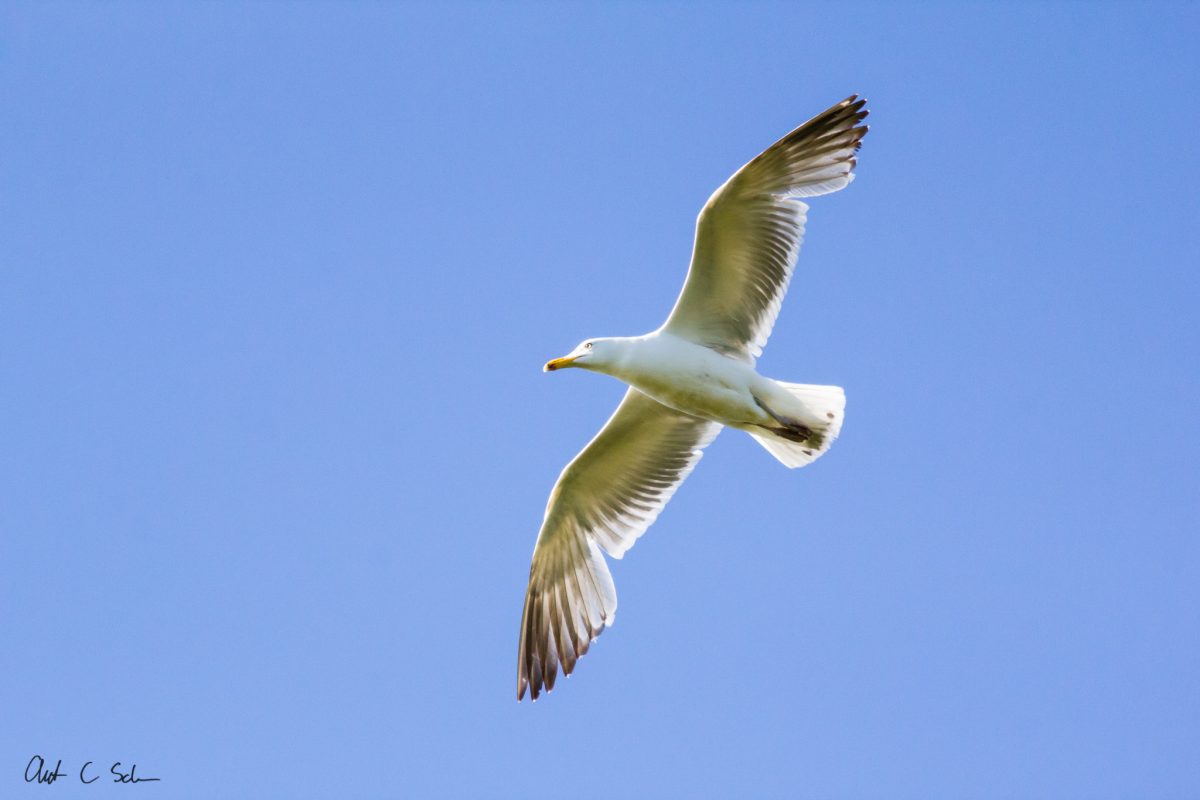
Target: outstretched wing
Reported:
point(749, 232)
point(605, 498)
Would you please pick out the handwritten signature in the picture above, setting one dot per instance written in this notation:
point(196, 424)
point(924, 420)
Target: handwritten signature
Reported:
point(36, 771)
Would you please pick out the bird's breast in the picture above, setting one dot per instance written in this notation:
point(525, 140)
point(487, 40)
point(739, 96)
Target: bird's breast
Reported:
point(697, 381)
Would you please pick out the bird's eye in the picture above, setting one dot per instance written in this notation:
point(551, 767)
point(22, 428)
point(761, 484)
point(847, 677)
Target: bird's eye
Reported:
point(588, 346)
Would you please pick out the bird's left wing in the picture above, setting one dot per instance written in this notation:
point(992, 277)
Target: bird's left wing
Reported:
point(749, 232)
point(605, 498)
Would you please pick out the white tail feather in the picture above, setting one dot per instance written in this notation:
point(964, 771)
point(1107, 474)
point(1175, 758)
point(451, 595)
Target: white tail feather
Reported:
point(821, 408)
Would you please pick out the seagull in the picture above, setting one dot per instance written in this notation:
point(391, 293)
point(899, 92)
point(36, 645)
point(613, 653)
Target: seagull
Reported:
point(687, 380)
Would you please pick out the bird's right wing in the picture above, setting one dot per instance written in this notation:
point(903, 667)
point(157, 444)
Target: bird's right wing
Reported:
point(605, 498)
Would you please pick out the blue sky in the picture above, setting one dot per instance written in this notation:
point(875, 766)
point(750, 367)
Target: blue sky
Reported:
point(277, 282)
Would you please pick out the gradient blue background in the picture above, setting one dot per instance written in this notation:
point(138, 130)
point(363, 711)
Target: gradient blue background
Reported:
point(277, 283)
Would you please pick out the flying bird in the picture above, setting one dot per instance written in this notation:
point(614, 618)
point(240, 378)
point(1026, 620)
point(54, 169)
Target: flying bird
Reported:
point(687, 380)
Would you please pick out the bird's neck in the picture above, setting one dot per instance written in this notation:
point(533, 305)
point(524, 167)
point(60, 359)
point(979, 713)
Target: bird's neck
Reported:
point(624, 357)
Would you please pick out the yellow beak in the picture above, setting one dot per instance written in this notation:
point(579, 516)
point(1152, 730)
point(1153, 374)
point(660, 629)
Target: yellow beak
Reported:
point(558, 363)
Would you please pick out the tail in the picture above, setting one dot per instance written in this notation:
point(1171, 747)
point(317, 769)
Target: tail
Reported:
point(810, 418)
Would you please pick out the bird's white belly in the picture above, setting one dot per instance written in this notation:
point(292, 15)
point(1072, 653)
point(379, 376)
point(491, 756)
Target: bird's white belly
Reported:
point(698, 381)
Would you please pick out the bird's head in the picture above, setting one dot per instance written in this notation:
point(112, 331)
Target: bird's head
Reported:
point(593, 354)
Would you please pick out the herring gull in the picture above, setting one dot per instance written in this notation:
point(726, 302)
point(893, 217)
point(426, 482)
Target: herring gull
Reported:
point(687, 380)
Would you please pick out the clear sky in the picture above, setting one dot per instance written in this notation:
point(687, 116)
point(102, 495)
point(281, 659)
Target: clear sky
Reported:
point(276, 286)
